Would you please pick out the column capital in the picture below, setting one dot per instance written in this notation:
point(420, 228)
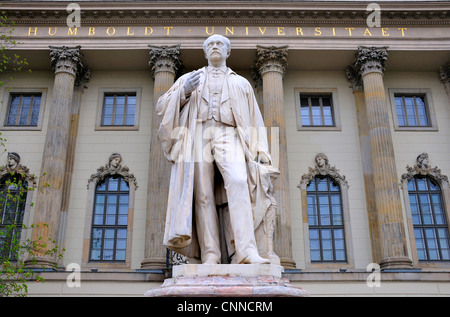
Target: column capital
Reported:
point(271, 59)
point(165, 59)
point(444, 73)
point(354, 77)
point(66, 59)
point(370, 59)
point(82, 78)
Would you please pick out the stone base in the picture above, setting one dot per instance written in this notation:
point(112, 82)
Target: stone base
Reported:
point(226, 280)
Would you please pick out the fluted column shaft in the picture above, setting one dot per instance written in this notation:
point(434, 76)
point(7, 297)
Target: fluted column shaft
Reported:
point(386, 192)
point(165, 63)
point(271, 64)
point(66, 63)
point(444, 73)
point(366, 159)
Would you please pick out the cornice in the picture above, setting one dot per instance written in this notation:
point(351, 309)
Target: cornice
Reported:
point(227, 13)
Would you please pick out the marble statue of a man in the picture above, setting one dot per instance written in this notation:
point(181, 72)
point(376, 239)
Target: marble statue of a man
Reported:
point(213, 133)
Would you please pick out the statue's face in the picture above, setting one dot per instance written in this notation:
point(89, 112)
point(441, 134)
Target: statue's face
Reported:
point(216, 50)
point(320, 161)
point(115, 162)
point(12, 162)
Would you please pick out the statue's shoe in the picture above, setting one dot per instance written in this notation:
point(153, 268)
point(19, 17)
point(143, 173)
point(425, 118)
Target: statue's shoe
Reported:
point(255, 259)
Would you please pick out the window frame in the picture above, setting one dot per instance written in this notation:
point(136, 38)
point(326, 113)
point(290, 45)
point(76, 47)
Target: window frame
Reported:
point(334, 174)
point(27, 202)
point(333, 92)
point(90, 205)
point(7, 101)
point(423, 226)
point(429, 108)
point(104, 226)
point(442, 181)
point(319, 226)
point(102, 92)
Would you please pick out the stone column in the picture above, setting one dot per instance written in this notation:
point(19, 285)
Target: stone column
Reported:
point(83, 77)
point(165, 63)
point(393, 249)
point(366, 159)
point(444, 73)
point(66, 62)
point(271, 64)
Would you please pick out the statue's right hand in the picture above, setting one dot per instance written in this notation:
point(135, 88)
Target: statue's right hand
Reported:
point(192, 82)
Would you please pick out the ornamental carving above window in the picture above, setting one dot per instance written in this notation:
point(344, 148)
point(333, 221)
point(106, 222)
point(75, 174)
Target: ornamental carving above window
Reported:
point(114, 167)
point(322, 167)
point(422, 168)
point(14, 167)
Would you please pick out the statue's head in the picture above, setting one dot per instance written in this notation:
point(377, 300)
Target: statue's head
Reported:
point(321, 160)
point(13, 160)
point(114, 160)
point(217, 48)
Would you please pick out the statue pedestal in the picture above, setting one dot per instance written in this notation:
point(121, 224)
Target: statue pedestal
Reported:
point(217, 280)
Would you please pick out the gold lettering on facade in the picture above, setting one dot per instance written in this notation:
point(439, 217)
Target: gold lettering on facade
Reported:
point(261, 31)
point(148, 30)
point(30, 30)
point(50, 31)
point(350, 31)
point(168, 28)
point(229, 31)
point(72, 32)
point(110, 31)
point(402, 30)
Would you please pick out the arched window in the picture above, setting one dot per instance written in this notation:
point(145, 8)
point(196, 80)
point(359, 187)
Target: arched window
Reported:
point(325, 205)
point(16, 186)
point(109, 221)
point(13, 194)
point(326, 221)
point(110, 208)
point(429, 219)
point(426, 192)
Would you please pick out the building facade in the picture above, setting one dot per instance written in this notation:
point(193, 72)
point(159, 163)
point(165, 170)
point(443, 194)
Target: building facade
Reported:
point(355, 98)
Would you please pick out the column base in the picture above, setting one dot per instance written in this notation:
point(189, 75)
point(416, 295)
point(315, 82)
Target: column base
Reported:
point(153, 264)
point(396, 263)
point(225, 280)
point(288, 263)
point(40, 263)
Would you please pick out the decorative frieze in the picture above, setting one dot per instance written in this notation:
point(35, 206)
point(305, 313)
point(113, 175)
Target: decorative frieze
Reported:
point(165, 59)
point(370, 59)
point(114, 167)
